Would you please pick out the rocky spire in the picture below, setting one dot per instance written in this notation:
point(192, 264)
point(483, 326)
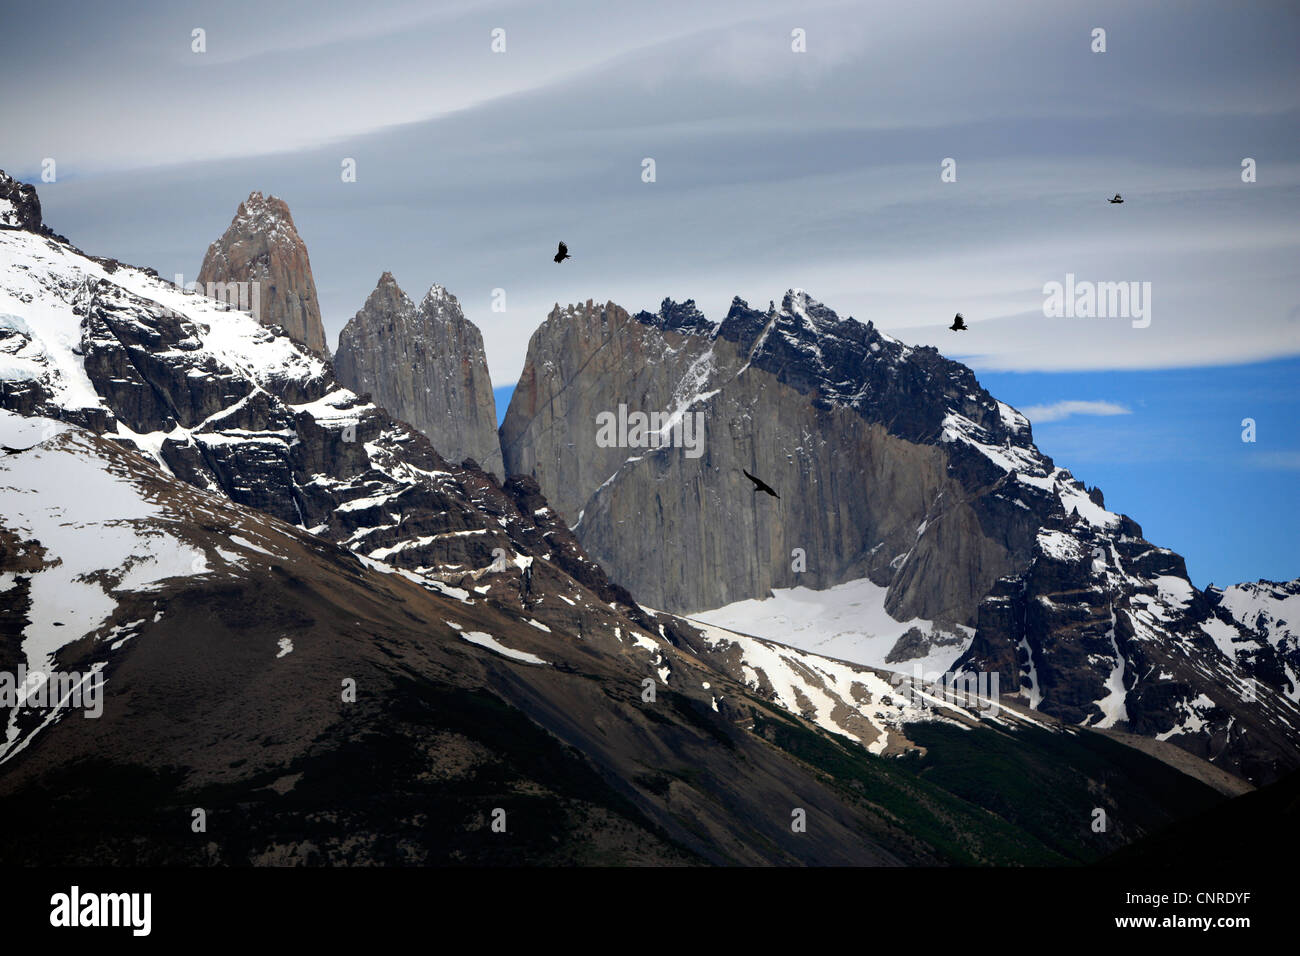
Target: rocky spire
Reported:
point(426, 365)
point(262, 245)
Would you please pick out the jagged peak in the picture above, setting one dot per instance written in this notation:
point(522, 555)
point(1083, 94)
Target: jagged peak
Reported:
point(439, 303)
point(20, 207)
point(1259, 585)
point(438, 292)
point(811, 312)
point(797, 297)
point(386, 291)
point(258, 202)
point(684, 317)
point(262, 215)
point(589, 307)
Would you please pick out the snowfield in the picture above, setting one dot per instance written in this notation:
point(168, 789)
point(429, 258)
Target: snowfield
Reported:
point(848, 699)
point(847, 622)
point(97, 526)
point(98, 533)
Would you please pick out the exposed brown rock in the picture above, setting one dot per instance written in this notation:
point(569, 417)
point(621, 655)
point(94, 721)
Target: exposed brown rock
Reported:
point(262, 245)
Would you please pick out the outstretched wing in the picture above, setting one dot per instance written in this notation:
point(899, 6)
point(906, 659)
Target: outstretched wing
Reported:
point(564, 250)
point(760, 484)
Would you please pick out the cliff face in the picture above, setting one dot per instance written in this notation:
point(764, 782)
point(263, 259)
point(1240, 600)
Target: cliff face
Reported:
point(855, 483)
point(583, 361)
point(427, 367)
point(262, 245)
point(893, 464)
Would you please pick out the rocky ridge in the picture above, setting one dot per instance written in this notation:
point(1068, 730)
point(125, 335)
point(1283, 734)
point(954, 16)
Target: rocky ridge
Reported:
point(896, 466)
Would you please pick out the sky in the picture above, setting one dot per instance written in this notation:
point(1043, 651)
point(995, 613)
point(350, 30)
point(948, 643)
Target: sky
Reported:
point(773, 169)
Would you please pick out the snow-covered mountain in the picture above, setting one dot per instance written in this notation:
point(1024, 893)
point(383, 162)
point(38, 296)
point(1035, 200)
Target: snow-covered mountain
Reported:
point(228, 642)
point(214, 399)
point(1258, 624)
point(192, 507)
point(918, 523)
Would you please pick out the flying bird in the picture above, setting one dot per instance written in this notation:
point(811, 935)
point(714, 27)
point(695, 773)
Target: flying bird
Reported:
point(563, 253)
point(959, 324)
point(760, 485)
point(1118, 199)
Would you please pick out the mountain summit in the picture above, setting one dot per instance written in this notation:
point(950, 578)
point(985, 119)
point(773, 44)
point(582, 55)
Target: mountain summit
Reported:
point(262, 245)
point(426, 365)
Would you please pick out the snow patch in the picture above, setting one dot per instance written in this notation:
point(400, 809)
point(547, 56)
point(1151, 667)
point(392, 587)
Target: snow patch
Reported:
point(492, 644)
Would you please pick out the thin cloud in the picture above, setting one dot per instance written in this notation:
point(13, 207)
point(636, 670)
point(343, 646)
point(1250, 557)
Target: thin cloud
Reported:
point(1278, 461)
point(1057, 411)
point(507, 153)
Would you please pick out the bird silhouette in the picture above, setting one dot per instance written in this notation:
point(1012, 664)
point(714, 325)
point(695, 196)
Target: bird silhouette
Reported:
point(959, 324)
point(563, 253)
point(1118, 199)
point(760, 485)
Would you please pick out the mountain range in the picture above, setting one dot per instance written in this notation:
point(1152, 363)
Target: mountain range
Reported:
point(345, 647)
